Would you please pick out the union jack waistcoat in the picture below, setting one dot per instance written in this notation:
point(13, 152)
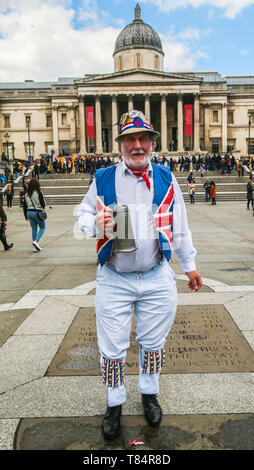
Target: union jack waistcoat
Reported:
point(162, 207)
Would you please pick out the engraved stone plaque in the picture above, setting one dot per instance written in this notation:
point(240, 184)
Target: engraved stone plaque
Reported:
point(203, 339)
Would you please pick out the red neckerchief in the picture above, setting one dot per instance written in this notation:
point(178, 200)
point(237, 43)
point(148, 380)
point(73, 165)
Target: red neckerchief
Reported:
point(142, 173)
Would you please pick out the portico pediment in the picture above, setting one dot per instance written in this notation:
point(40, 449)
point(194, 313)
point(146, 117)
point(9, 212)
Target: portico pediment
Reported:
point(139, 76)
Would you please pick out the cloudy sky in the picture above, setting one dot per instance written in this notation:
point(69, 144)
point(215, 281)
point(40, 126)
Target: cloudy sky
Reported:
point(42, 40)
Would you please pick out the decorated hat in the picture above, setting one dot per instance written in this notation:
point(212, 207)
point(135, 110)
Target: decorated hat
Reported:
point(134, 121)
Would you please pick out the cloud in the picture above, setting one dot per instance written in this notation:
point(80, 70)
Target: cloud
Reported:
point(182, 50)
point(42, 41)
point(231, 7)
point(244, 52)
point(181, 57)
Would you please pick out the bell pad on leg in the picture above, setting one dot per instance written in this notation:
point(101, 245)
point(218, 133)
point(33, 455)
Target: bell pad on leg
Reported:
point(113, 373)
point(153, 361)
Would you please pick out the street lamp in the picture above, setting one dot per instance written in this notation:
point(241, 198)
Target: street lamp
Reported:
point(28, 120)
point(13, 152)
point(6, 136)
point(249, 115)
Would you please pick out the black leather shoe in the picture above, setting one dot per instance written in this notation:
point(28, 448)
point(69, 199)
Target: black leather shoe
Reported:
point(111, 422)
point(152, 409)
point(8, 247)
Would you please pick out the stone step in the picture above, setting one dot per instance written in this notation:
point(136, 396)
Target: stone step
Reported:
point(76, 198)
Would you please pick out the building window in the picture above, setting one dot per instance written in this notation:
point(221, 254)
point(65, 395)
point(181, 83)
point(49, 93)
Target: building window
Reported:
point(156, 62)
point(29, 149)
point(49, 148)
point(7, 122)
point(49, 120)
point(120, 63)
point(65, 148)
point(215, 146)
point(63, 119)
point(250, 146)
point(231, 145)
point(230, 117)
point(138, 60)
point(215, 115)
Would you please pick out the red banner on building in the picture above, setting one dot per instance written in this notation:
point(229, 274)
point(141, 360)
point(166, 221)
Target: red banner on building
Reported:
point(90, 132)
point(188, 119)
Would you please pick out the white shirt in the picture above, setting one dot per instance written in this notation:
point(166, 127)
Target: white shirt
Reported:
point(133, 192)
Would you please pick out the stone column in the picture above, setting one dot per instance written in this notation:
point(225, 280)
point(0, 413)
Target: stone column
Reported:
point(114, 121)
point(196, 124)
point(147, 107)
point(164, 137)
point(130, 103)
point(180, 122)
point(82, 127)
point(98, 125)
point(206, 126)
point(73, 129)
point(224, 132)
point(55, 129)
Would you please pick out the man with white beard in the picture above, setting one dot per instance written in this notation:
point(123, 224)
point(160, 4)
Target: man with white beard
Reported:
point(141, 278)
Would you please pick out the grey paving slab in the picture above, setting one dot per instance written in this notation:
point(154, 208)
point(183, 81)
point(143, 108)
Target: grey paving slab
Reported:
point(10, 320)
point(51, 317)
point(249, 335)
point(242, 311)
point(26, 358)
point(85, 396)
point(7, 296)
point(22, 278)
point(64, 278)
point(7, 432)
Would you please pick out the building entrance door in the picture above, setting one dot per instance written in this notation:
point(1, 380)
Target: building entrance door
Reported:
point(174, 138)
point(105, 146)
point(215, 146)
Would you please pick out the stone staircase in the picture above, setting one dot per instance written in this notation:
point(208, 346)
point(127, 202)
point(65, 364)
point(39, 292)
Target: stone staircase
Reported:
point(70, 189)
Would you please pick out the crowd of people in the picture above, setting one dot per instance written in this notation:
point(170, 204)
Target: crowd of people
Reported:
point(89, 164)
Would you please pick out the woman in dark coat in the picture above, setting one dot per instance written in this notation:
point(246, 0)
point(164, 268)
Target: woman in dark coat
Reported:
point(249, 194)
point(212, 193)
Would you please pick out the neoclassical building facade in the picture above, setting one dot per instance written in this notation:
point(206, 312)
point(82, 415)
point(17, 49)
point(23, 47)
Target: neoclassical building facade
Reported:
point(52, 117)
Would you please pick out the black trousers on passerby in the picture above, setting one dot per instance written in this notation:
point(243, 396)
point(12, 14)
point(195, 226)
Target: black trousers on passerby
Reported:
point(248, 203)
point(3, 238)
point(192, 200)
point(9, 200)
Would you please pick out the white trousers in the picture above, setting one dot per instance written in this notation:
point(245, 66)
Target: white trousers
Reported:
point(154, 295)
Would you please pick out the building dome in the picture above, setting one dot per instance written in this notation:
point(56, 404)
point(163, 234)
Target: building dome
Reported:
point(138, 35)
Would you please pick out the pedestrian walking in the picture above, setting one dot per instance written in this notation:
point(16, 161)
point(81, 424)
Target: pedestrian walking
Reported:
point(139, 275)
point(34, 203)
point(239, 168)
point(202, 169)
point(191, 189)
point(3, 226)
point(212, 192)
point(207, 189)
point(249, 194)
point(9, 192)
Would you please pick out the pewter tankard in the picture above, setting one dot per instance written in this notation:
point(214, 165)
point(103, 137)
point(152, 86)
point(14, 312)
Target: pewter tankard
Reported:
point(124, 240)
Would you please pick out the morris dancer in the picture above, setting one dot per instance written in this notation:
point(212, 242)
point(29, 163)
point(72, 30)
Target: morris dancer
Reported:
point(142, 278)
